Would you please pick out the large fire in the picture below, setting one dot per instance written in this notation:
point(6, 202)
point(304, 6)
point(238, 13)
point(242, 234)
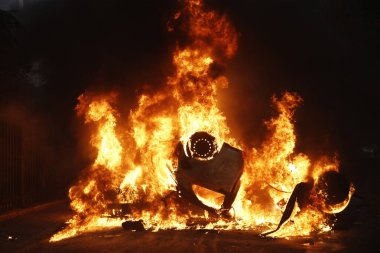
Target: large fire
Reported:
point(135, 164)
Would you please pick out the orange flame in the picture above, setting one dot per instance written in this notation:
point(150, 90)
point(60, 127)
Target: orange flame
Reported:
point(135, 166)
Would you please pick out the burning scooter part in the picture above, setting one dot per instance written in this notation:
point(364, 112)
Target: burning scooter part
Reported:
point(330, 194)
point(138, 153)
point(201, 163)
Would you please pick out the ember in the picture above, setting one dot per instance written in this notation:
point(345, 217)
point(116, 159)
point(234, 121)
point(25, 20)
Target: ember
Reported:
point(140, 167)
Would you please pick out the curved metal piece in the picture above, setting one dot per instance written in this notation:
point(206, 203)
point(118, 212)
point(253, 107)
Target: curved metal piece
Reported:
point(300, 195)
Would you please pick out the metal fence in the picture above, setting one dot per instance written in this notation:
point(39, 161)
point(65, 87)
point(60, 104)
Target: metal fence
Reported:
point(22, 171)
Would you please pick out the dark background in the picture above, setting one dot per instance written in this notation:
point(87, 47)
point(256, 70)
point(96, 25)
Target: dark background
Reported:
point(327, 51)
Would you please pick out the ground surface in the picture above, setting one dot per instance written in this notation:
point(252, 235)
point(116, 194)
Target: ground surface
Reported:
point(30, 233)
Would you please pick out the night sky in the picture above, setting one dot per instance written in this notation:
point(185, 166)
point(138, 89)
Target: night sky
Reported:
point(327, 51)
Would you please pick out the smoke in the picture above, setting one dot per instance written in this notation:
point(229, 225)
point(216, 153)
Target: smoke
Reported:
point(321, 50)
point(64, 48)
point(315, 49)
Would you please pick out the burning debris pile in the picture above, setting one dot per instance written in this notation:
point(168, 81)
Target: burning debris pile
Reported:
point(177, 144)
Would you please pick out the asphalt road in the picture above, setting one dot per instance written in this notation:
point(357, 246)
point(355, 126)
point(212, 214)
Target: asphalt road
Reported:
point(30, 233)
point(29, 230)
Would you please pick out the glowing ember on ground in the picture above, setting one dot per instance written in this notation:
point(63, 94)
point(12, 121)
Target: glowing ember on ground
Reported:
point(135, 164)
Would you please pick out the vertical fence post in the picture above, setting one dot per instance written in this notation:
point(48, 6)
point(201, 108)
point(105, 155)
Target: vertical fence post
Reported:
point(23, 171)
point(10, 166)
